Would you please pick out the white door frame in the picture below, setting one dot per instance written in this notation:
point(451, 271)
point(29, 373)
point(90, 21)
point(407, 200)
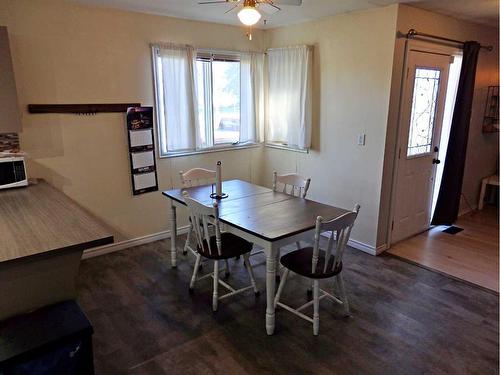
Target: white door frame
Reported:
point(410, 45)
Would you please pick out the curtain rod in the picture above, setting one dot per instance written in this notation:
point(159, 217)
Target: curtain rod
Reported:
point(412, 33)
point(290, 47)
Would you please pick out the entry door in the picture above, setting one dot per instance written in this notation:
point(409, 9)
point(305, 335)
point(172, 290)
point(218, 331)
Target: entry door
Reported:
point(424, 95)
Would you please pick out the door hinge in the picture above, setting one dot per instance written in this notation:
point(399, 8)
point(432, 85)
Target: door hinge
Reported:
point(399, 153)
point(392, 225)
point(452, 59)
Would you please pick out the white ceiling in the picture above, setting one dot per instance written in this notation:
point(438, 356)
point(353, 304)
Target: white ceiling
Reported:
point(190, 9)
point(482, 11)
point(479, 11)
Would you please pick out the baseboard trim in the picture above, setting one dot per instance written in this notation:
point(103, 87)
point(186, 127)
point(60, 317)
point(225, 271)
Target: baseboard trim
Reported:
point(382, 248)
point(466, 210)
point(358, 245)
point(122, 245)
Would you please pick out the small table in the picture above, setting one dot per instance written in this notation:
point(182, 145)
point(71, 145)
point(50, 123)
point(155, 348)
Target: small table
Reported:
point(262, 216)
point(491, 180)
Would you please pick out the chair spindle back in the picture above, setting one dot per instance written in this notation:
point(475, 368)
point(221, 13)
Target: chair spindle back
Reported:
point(201, 216)
point(340, 231)
point(297, 185)
point(197, 176)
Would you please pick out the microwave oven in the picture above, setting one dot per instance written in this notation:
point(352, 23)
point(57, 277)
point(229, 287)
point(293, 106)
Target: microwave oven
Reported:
point(13, 172)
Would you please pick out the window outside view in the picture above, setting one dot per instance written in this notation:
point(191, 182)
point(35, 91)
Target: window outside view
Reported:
point(226, 101)
point(219, 101)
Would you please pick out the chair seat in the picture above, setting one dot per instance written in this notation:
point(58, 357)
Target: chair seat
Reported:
point(300, 262)
point(232, 246)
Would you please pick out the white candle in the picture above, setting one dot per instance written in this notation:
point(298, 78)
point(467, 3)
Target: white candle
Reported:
point(218, 177)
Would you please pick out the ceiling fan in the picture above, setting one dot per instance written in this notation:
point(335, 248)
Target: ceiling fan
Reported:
point(249, 13)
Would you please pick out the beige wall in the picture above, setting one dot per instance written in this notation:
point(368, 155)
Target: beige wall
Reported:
point(482, 151)
point(66, 53)
point(352, 75)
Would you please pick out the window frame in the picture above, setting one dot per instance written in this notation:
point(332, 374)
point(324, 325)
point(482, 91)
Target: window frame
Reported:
point(160, 126)
point(430, 152)
point(284, 146)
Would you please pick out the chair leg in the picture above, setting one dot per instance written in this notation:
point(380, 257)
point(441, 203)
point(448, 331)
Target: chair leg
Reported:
point(188, 239)
point(227, 273)
point(298, 245)
point(281, 286)
point(195, 272)
point(343, 295)
point(310, 291)
point(215, 298)
point(316, 307)
point(246, 259)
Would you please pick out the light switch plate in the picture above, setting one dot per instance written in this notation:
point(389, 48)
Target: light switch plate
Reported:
point(361, 139)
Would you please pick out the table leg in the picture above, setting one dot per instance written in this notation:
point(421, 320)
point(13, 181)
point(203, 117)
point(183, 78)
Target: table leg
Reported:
point(173, 235)
point(270, 287)
point(483, 192)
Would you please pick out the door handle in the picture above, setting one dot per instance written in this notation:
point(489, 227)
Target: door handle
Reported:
point(436, 161)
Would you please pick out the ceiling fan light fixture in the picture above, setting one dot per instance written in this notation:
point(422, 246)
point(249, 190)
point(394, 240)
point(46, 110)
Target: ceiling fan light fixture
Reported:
point(249, 15)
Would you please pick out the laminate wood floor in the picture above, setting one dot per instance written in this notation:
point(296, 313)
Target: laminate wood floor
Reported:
point(471, 255)
point(405, 320)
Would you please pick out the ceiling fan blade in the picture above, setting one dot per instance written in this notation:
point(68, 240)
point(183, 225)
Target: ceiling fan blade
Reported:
point(231, 9)
point(214, 2)
point(288, 2)
point(270, 3)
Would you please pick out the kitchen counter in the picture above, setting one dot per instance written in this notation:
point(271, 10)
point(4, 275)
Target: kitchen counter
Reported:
point(43, 234)
point(39, 218)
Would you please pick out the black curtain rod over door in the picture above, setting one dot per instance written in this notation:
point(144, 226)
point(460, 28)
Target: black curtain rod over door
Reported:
point(412, 33)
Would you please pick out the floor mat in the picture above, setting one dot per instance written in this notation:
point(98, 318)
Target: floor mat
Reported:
point(453, 230)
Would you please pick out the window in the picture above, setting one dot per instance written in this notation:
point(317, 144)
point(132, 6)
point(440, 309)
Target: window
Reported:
point(290, 90)
point(219, 111)
point(206, 100)
point(423, 111)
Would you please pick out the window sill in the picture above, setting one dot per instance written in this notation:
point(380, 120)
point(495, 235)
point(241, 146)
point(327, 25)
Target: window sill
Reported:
point(287, 148)
point(210, 150)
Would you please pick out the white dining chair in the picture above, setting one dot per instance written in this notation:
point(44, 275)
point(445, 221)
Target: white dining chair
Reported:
point(195, 177)
point(317, 264)
point(220, 246)
point(191, 178)
point(291, 183)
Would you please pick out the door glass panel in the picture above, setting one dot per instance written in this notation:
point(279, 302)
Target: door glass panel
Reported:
point(423, 111)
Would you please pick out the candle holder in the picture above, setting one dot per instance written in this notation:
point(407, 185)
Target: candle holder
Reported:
point(215, 196)
point(218, 184)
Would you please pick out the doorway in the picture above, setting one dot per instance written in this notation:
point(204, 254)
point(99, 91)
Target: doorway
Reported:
point(471, 254)
point(427, 103)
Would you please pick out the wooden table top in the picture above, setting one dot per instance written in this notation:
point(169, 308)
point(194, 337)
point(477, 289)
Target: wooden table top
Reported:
point(261, 211)
point(39, 218)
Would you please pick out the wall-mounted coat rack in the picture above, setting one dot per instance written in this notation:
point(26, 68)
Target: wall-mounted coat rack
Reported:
point(81, 109)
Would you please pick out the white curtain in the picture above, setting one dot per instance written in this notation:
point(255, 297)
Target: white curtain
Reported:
point(252, 96)
point(289, 96)
point(175, 70)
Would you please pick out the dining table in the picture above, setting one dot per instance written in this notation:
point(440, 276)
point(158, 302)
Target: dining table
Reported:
point(265, 217)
